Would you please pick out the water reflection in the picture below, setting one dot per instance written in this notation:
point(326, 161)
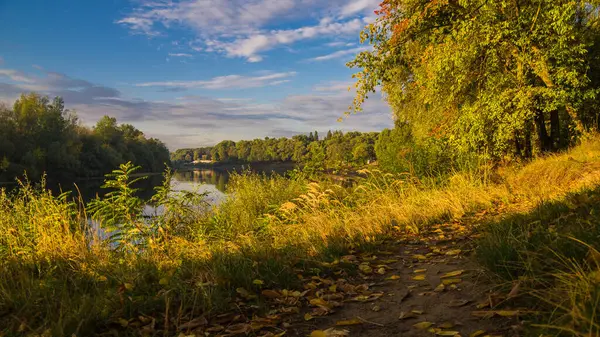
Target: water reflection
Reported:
point(218, 179)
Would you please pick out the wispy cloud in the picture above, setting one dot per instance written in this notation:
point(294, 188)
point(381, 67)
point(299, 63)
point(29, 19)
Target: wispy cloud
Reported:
point(355, 6)
point(226, 82)
point(340, 44)
point(15, 75)
point(251, 47)
point(196, 120)
point(181, 55)
point(339, 54)
point(241, 28)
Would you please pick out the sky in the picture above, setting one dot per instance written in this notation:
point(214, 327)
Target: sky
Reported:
point(192, 72)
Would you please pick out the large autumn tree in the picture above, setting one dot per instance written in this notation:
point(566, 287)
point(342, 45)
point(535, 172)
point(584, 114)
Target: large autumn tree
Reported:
point(495, 76)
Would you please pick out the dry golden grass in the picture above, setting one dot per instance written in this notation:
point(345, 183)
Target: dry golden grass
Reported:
point(262, 231)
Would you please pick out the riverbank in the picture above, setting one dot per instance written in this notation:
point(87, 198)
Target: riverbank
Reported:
point(283, 254)
point(230, 167)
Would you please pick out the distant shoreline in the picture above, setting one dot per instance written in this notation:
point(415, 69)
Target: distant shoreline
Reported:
point(259, 166)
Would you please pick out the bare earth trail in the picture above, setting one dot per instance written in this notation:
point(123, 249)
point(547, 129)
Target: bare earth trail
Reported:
point(412, 285)
point(424, 286)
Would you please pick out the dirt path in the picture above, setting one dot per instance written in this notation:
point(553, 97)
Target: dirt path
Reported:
point(425, 284)
point(425, 287)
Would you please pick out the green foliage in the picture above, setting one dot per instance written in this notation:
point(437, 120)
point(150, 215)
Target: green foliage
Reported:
point(250, 196)
point(498, 77)
point(338, 150)
point(38, 136)
point(177, 207)
point(119, 211)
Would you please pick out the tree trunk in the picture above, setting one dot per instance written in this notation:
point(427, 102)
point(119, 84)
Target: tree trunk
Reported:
point(518, 149)
point(528, 151)
point(555, 130)
point(545, 143)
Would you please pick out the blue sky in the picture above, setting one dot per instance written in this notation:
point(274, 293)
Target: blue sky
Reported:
point(192, 72)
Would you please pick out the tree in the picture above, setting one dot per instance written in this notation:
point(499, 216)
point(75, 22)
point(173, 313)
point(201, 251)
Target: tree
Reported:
point(392, 148)
point(489, 76)
point(38, 135)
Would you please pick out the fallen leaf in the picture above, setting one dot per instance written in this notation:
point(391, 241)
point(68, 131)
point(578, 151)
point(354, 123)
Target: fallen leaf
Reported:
point(447, 333)
point(238, 328)
point(423, 325)
point(308, 317)
point(439, 288)
point(419, 257)
point(420, 277)
point(417, 312)
point(446, 325)
point(389, 261)
point(381, 271)
point(332, 332)
point(452, 274)
point(483, 305)
point(319, 302)
point(124, 323)
point(507, 313)
point(215, 328)
point(258, 282)
point(318, 333)
point(367, 298)
point(393, 277)
point(419, 271)
point(354, 321)
point(365, 268)
point(477, 333)
point(449, 281)
point(270, 293)
point(453, 252)
point(376, 308)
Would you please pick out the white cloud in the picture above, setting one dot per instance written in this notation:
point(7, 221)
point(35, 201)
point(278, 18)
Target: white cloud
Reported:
point(181, 55)
point(339, 54)
point(226, 82)
point(16, 76)
point(356, 6)
point(140, 25)
point(207, 17)
point(192, 121)
point(244, 28)
point(334, 86)
point(340, 44)
point(251, 47)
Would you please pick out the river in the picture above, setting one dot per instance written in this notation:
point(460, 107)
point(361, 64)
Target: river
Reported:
point(210, 181)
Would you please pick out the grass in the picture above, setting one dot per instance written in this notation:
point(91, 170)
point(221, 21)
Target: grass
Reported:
point(57, 279)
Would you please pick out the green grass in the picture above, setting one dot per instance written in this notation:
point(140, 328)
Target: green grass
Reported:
point(58, 280)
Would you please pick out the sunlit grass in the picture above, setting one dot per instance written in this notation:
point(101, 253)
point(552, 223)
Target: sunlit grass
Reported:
point(57, 278)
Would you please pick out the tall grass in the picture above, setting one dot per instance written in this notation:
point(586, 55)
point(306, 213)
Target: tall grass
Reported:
point(56, 278)
point(552, 250)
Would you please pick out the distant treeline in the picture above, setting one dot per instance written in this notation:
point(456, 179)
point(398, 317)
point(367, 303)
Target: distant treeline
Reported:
point(395, 150)
point(335, 150)
point(38, 136)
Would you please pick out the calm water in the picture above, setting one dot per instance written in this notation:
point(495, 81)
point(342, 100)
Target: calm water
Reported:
point(212, 182)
